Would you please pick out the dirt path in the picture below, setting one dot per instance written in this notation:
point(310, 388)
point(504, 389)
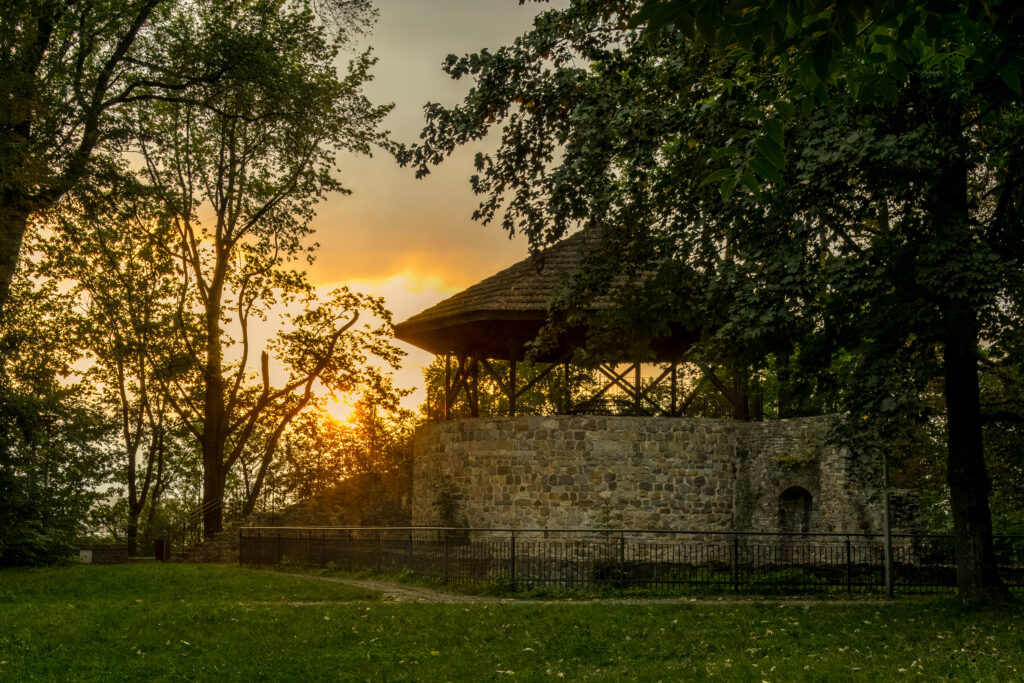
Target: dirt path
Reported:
point(394, 592)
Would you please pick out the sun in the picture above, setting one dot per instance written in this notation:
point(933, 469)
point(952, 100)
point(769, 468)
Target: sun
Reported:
point(340, 409)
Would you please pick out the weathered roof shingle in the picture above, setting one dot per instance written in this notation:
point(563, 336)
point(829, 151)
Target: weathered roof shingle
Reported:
point(499, 315)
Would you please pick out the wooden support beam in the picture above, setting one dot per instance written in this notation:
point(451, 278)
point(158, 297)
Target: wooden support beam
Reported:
point(457, 384)
point(673, 391)
point(737, 395)
point(684, 406)
point(638, 399)
point(473, 388)
point(533, 382)
point(497, 377)
point(650, 387)
point(619, 380)
point(513, 394)
point(616, 380)
point(447, 386)
point(567, 404)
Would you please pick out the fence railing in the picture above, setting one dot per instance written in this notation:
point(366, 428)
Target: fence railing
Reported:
point(682, 560)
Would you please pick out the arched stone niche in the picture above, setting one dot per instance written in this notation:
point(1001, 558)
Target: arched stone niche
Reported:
point(795, 505)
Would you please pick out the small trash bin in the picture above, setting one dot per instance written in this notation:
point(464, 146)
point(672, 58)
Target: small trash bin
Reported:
point(163, 549)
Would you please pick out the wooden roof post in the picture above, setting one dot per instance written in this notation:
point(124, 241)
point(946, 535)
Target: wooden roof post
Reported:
point(675, 390)
point(447, 386)
point(568, 391)
point(512, 388)
point(473, 388)
point(636, 389)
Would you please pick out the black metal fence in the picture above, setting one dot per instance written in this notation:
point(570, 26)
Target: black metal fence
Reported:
point(673, 560)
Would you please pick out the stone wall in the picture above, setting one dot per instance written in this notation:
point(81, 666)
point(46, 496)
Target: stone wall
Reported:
point(362, 500)
point(103, 553)
point(642, 472)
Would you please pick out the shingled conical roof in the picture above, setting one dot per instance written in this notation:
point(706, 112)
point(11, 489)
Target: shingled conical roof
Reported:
point(499, 315)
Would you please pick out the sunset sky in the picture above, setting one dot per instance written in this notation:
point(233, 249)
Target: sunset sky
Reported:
point(413, 241)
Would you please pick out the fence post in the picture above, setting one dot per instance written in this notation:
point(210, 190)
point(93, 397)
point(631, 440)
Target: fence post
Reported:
point(622, 559)
point(887, 526)
point(735, 564)
point(849, 567)
point(444, 557)
point(380, 552)
point(411, 554)
point(239, 546)
point(513, 557)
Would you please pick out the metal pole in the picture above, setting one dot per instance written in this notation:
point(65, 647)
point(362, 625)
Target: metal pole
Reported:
point(513, 558)
point(622, 560)
point(445, 555)
point(849, 567)
point(735, 563)
point(887, 526)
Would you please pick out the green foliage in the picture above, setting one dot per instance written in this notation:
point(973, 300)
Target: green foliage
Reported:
point(206, 240)
point(320, 451)
point(446, 505)
point(835, 189)
point(164, 160)
point(51, 454)
point(107, 244)
point(171, 199)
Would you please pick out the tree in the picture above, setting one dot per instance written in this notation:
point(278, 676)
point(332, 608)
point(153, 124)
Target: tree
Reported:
point(320, 451)
point(69, 69)
point(51, 440)
point(309, 458)
point(65, 69)
point(240, 168)
point(950, 73)
point(108, 241)
point(846, 203)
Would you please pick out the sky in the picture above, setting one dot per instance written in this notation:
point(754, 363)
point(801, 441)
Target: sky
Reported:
point(414, 241)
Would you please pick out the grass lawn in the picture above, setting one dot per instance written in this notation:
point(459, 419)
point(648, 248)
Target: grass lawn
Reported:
point(194, 622)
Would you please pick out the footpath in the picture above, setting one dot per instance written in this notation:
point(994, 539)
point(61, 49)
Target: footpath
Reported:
point(395, 592)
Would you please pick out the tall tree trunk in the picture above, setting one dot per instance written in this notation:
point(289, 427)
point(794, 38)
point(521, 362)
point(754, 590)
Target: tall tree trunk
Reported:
point(977, 573)
point(969, 485)
point(213, 496)
point(214, 414)
point(13, 223)
point(133, 532)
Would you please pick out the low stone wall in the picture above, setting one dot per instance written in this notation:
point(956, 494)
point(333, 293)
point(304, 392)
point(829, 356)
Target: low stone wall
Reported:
point(100, 553)
point(643, 473)
point(371, 499)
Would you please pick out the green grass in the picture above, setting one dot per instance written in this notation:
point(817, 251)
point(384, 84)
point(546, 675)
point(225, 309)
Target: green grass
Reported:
point(186, 622)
